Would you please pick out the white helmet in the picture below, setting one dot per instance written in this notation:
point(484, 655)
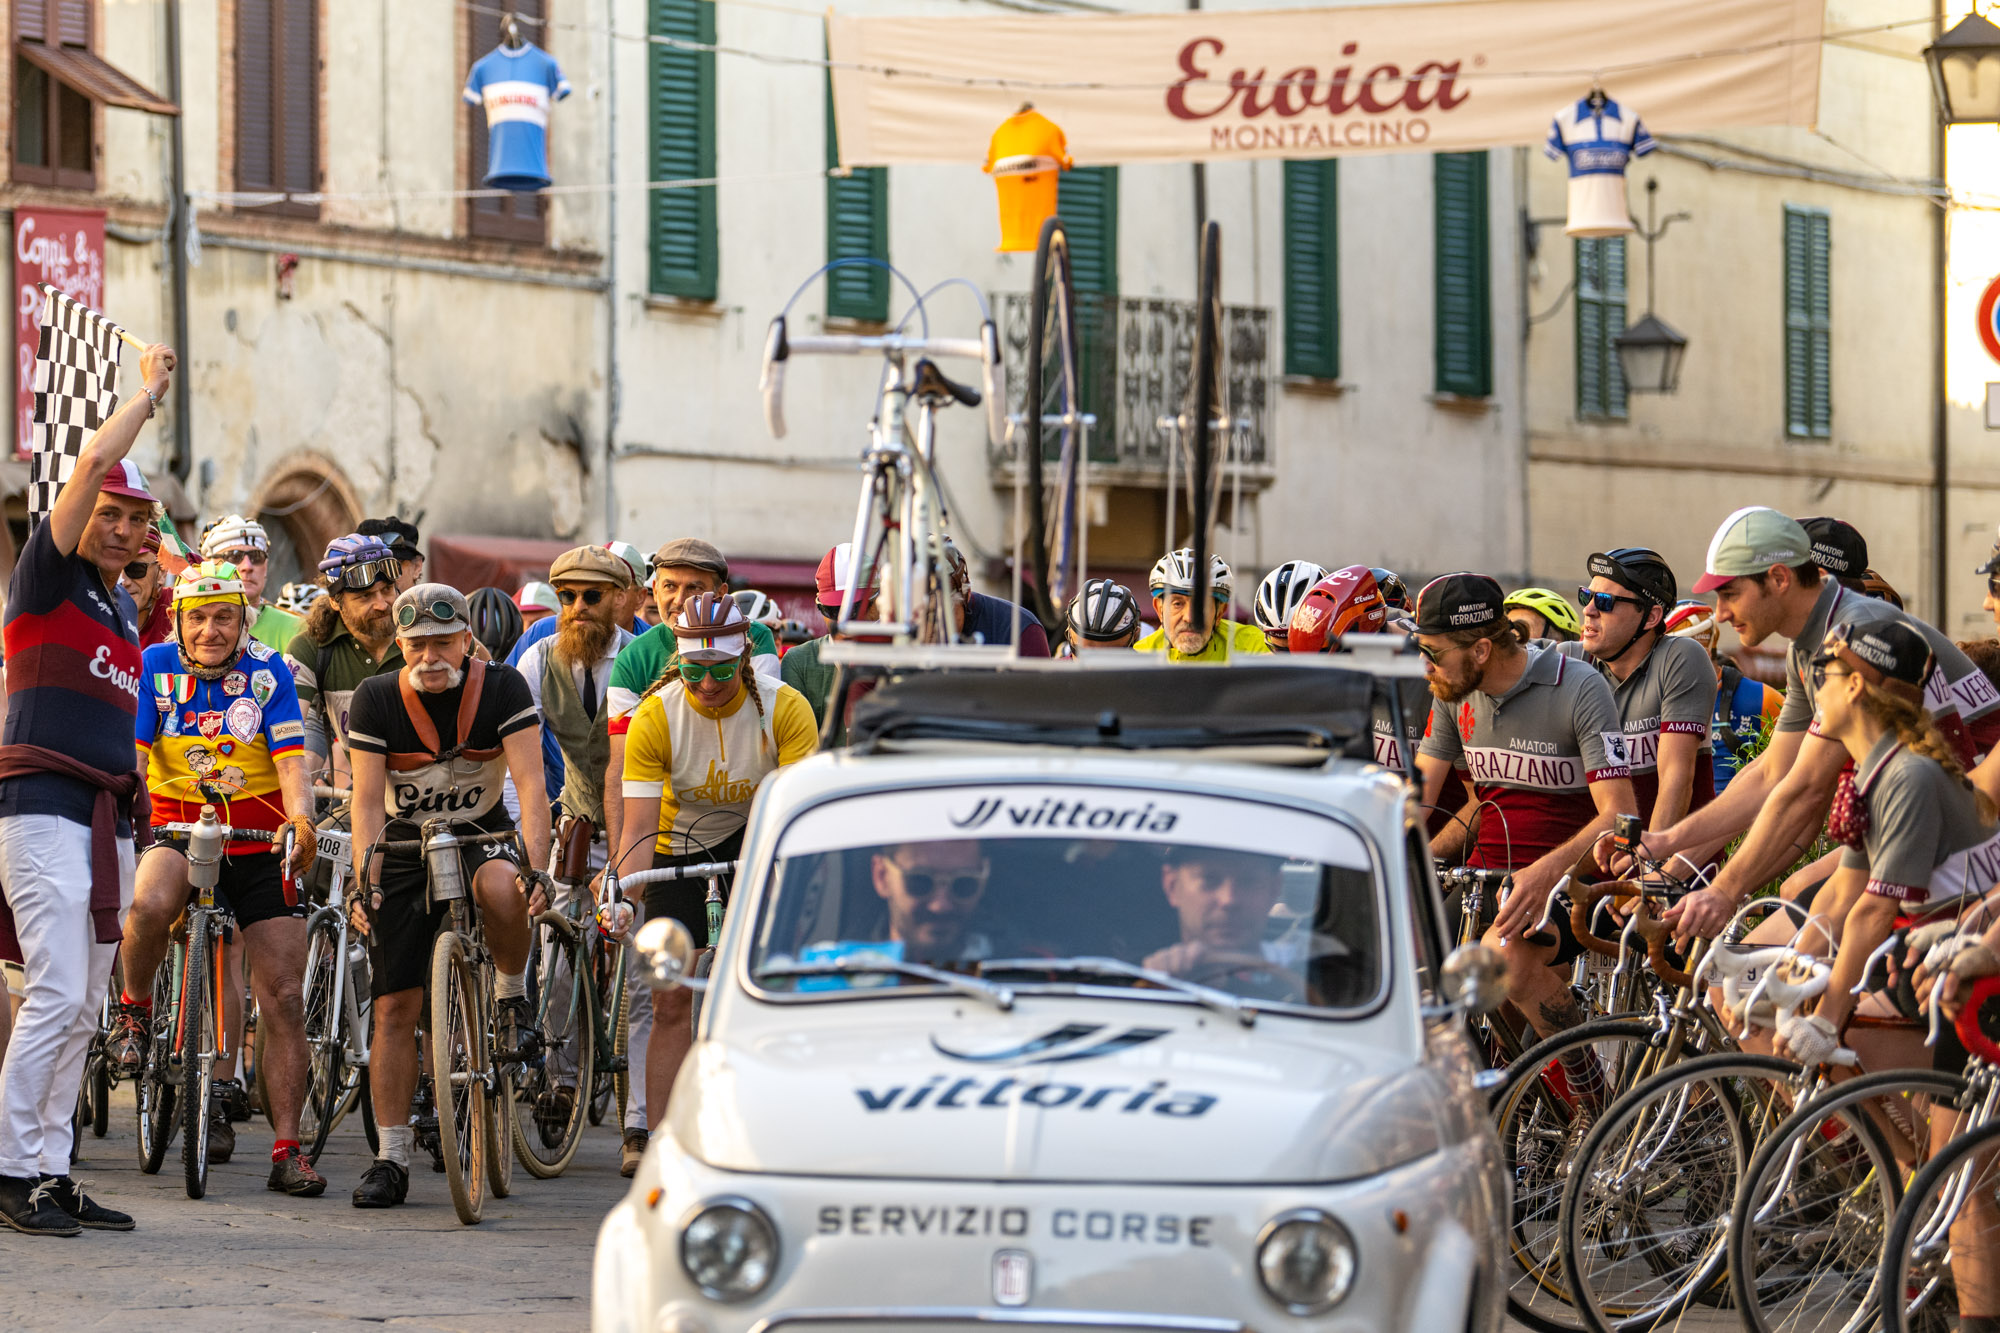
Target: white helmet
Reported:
point(233, 532)
point(1175, 573)
point(757, 606)
point(1282, 590)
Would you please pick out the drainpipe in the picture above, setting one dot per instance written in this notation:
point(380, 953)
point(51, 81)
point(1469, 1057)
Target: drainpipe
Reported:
point(182, 461)
point(1941, 422)
point(612, 387)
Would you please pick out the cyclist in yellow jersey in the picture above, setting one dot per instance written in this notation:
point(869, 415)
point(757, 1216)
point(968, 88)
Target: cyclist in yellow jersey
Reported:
point(1185, 636)
point(701, 742)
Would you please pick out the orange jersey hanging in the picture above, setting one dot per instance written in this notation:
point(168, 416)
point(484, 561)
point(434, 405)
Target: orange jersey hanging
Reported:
point(1026, 157)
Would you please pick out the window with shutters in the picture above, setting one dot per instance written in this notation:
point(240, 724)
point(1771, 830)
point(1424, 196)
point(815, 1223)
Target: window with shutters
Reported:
point(857, 227)
point(682, 226)
point(1808, 324)
point(512, 217)
point(277, 100)
point(55, 138)
point(1312, 280)
point(1087, 202)
point(1464, 288)
point(1600, 318)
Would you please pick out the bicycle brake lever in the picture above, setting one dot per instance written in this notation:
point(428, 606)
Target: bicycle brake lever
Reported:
point(1549, 906)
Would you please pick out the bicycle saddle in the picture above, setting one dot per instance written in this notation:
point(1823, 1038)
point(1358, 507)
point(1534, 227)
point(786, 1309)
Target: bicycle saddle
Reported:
point(934, 387)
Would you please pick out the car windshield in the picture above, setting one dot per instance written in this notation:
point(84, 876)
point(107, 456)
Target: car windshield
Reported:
point(1228, 902)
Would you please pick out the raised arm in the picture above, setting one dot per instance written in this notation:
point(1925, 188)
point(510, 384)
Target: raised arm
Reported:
point(107, 449)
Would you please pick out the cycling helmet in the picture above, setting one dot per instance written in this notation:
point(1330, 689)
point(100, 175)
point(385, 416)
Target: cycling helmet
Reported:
point(1175, 573)
point(710, 627)
point(1695, 620)
point(1281, 592)
point(758, 606)
point(233, 532)
point(1641, 569)
point(299, 596)
point(1549, 605)
point(1395, 593)
point(209, 581)
point(496, 621)
point(1345, 601)
point(1104, 611)
point(356, 562)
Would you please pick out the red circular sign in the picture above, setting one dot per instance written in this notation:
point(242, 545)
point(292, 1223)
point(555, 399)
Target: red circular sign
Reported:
point(1988, 334)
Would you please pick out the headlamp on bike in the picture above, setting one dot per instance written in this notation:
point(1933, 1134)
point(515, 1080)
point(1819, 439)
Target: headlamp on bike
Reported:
point(729, 1249)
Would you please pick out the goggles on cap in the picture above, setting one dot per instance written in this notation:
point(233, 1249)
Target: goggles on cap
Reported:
point(365, 575)
point(441, 611)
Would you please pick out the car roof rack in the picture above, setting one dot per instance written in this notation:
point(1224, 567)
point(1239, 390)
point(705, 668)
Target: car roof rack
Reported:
point(1283, 712)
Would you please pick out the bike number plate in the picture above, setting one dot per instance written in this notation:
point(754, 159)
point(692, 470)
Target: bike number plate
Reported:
point(337, 848)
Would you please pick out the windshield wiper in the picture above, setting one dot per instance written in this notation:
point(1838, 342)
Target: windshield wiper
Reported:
point(1000, 997)
point(1219, 1000)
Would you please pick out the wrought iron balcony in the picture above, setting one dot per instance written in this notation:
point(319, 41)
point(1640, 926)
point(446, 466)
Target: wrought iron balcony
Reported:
point(1136, 355)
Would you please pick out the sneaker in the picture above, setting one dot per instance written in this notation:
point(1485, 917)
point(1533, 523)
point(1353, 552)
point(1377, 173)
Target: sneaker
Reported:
point(235, 1100)
point(131, 1030)
point(70, 1197)
point(29, 1206)
point(294, 1175)
point(634, 1149)
point(383, 1185)
point(515, 1038)
point(221, 1138)
point(553, 1110)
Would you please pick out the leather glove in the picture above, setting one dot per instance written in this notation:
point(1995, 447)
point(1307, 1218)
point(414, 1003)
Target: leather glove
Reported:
point(1970, 959)
point(1811, 1039)
point(305, 848)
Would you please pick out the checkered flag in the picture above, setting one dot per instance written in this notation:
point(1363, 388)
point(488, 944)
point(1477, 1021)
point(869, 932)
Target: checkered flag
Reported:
point(76, 391)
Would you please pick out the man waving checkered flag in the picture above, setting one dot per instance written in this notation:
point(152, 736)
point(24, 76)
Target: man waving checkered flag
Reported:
point(76, 391)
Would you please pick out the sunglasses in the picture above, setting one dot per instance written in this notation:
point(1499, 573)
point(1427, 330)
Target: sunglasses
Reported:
point(568, 596)
point(1605, 602)
point(248, 557)
point(138, 569)
point(441, 611)
point(1993, 584)
point(362, 577)
point(720, 672)
point(963, 887)
point(1823, 666)
point(1436, 656)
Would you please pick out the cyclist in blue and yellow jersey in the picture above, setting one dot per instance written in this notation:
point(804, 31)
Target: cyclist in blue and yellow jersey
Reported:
point(1188, 633)
point(219, 725)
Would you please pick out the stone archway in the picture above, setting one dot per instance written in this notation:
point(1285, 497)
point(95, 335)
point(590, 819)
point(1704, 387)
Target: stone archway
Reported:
point(305, 502)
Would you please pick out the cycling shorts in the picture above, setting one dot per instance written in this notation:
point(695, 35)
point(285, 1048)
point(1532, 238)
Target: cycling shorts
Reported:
point(249, 885)
point(402, 929)
point(686, 900)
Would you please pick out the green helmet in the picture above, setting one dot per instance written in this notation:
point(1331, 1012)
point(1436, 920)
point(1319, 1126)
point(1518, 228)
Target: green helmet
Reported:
point(1549, 605)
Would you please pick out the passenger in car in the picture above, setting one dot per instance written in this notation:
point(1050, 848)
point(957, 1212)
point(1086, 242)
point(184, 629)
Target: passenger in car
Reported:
point(933, 891)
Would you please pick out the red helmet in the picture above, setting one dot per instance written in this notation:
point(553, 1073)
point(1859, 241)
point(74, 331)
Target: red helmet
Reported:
point(1347, 601)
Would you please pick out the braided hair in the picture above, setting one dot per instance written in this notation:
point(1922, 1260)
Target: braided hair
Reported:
point(1919, 734)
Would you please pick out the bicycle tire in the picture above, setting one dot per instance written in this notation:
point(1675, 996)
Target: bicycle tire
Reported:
point(197, 1034)
point(568, 1024)
point(1827, 1181)
point(365, 1104)
point(611, 1004)
point(621, 1034)
point(1051, 332)
point(329, 1077)
point(153, 1094)
point(1918, 1210)
point(456, 1036)
point(99, 1082)
point(1205, 397)
point(1683, 1260)
point(1529, 1107)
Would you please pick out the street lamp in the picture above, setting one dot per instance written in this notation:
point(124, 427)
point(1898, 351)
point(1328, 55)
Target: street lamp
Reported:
point(1965, 72)
point(1650, 352)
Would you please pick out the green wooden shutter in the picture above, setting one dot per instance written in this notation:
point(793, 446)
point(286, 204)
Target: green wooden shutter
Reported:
point(1312, 279)
point(1808, 324)
point(682, 230)
point(1087, 201)
point(1600, 318)
point(1464, 286)
point(857, 226)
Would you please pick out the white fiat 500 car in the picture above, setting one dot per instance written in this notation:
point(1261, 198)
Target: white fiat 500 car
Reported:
point(1126, 1011)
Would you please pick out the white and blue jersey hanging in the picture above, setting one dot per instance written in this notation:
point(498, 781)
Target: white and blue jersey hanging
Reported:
point(516, 85)
point(1597, 137)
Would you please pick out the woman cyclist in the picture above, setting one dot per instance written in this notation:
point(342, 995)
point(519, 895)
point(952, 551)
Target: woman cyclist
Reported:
point(1539, 613)
point(701, 741)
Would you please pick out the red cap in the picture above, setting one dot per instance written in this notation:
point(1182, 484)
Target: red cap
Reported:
point(127, 480)
point(831, 580)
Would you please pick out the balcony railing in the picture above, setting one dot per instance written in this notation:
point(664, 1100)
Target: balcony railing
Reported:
point(1136, 354)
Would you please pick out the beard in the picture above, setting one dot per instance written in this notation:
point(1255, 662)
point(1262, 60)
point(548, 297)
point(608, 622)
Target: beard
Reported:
point(1451, 691)
point(582, 639)
point(448, 680)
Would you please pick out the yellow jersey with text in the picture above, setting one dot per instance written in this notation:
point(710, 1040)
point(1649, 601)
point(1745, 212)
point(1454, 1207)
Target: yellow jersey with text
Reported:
point(706, 766)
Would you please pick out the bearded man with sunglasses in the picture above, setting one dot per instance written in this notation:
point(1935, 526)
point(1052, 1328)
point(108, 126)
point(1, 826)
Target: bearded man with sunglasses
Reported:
point(698, 747)
point(349, 636)
point(1540, 742)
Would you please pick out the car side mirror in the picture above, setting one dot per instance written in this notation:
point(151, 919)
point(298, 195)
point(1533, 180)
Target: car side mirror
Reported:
point(667, 950)
point(1475, 977)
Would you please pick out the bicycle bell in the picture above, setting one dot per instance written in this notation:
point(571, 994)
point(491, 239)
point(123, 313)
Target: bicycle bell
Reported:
point(204, 852)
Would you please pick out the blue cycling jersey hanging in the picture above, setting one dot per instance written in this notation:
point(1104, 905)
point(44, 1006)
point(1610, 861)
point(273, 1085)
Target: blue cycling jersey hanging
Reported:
point(516, 82)
point(1597, 137)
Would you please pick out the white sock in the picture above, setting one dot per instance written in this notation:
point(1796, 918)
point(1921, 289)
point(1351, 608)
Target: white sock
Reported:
point(396, 1141)
point(510, 985)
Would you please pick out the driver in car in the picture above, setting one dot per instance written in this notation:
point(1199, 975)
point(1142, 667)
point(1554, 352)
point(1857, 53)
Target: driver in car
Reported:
point(933, 890)
point(1224, 901)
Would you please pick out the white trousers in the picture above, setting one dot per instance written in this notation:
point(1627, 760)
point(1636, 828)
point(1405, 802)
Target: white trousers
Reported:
point(45, 876)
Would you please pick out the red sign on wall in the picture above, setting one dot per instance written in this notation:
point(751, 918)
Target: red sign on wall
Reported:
point(65, 249)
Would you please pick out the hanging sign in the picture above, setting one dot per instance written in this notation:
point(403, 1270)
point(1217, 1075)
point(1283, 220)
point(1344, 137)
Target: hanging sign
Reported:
point(65, 249)
point(1214, 85)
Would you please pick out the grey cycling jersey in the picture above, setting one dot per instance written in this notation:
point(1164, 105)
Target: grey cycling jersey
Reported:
point(1925, 841)
point(1672, 691)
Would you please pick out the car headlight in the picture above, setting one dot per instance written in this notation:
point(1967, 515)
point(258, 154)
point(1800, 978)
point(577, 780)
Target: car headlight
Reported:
point(730, 1249)
point(1306, 1261)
